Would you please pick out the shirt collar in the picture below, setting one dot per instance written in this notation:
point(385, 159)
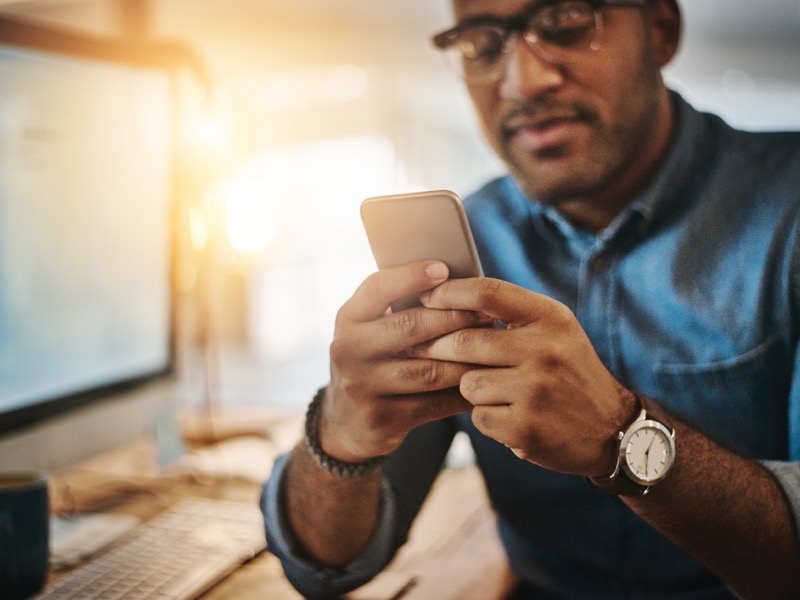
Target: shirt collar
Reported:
point(677, 166)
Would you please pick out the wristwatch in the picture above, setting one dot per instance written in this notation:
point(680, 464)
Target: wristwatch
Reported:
point(646, 456)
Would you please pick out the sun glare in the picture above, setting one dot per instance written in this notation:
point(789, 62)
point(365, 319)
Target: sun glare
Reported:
point(249, 218)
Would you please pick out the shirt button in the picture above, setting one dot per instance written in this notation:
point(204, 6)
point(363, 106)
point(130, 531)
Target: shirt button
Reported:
point(599, 262)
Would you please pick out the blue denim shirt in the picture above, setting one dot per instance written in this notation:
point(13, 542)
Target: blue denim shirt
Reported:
point(690, 296)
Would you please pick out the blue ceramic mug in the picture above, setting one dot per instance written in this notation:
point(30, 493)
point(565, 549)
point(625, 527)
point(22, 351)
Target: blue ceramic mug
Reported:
point(24, 534)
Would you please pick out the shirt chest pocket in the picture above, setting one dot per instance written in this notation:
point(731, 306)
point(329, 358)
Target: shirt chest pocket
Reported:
point(739, 402)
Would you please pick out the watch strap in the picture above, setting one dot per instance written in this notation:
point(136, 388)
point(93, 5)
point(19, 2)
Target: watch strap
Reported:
point(619, 485)
point(618, 482)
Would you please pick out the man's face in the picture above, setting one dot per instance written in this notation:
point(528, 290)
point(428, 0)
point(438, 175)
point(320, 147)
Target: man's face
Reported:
point(576, 130)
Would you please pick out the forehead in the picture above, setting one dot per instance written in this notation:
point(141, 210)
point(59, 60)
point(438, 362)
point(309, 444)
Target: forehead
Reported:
point(467, 8)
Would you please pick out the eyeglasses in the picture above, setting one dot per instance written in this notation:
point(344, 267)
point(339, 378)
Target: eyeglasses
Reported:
point(557, 30)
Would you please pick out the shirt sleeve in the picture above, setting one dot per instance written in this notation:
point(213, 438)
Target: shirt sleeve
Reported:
point(407, 478)
point(315, 580)
point(788, 476)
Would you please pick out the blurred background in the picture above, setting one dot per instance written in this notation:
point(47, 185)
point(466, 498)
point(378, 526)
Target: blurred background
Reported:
point(314, 105)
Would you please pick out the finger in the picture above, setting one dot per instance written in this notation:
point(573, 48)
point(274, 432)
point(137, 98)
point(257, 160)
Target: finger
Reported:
point(500, 423)
point(396, 332)
point(506, 302)
point(492, 393)
point(476, 346)
point(491, 421)
point(403, 377)
point(489, 387)
point(376, 294)
point(424, 408)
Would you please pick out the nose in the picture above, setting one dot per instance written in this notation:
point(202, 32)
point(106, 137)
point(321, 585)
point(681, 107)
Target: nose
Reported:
point(527, 74)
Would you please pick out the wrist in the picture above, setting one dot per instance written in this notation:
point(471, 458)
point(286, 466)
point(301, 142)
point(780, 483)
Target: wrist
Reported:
point(629, 408)
point(350, 467)
point(332, 439)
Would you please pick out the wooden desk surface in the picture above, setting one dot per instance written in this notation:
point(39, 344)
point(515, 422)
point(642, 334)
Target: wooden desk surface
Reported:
point(453, 550)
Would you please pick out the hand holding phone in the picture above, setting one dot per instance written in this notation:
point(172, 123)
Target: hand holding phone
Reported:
point(405, 228)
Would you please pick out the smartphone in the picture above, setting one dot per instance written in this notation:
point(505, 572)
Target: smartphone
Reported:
point(405, 228)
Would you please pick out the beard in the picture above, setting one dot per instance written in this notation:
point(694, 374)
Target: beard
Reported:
point(564, 173)
point(592, 166)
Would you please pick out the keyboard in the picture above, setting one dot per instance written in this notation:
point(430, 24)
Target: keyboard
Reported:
point(177, 555)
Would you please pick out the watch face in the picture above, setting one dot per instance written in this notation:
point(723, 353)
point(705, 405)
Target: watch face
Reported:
point(649, 452)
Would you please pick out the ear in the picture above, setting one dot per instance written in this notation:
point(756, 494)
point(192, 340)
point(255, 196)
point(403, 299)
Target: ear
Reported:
point(664, 21)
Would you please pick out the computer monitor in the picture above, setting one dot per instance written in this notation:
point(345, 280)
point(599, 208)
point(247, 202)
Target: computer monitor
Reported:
point(87, 156)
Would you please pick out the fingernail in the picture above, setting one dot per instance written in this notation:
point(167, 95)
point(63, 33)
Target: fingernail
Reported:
point(436, 271)
point(424, 297)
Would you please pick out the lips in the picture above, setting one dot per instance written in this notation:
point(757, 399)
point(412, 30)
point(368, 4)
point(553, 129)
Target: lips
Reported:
point(541, 132)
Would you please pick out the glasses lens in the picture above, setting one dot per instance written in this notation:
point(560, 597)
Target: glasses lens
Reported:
point(558, 31)
point(563, 28)
point(476, 53)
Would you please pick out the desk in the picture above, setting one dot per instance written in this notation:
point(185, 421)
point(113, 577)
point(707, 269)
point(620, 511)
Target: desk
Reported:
point(453, 550)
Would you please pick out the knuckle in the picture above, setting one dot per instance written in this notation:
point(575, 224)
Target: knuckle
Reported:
point(470, 383)
point(551, 361)
point(372, 286)
point(561, 313)
point(452, 318)
point(406, 323)
point(488, 288)
point(539, 393)
point(424, 372)
point(402, 322)
point(340, 352)
point(430, 373)
point(341, 318)
point(537, 389)
point(461, 340)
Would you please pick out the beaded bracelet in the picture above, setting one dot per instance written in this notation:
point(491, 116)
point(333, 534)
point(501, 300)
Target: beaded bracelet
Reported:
point(325, 461)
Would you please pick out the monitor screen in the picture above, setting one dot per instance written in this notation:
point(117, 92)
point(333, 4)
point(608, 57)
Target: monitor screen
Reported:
point(86, 198)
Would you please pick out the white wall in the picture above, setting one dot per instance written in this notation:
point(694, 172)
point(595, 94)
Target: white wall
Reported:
point(741, 59)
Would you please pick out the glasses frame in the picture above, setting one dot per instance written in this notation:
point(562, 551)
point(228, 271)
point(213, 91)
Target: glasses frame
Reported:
point(518, 23)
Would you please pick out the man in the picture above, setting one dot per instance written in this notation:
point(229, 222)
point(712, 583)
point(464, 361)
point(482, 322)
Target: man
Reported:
point(640, 257)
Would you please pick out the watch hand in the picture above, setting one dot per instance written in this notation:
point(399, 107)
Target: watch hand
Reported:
point(647, 456)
